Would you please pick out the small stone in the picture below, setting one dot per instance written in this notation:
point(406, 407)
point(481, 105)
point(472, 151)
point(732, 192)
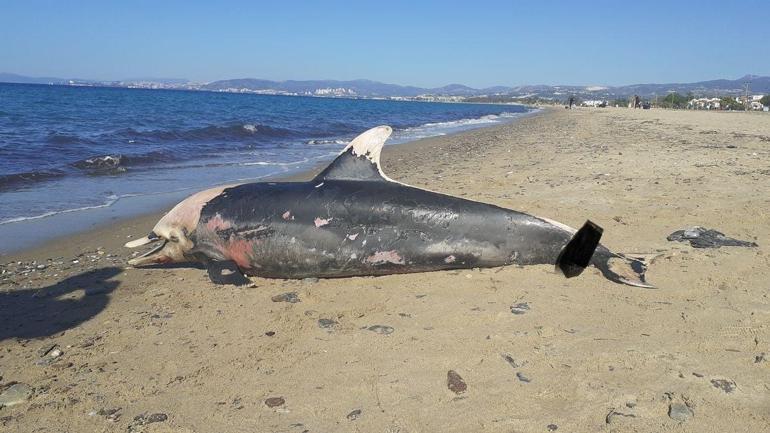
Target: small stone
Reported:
point(455, 382)
point(614, 416)
point(312, 280)
point(760, 358)
point(270, 333)
point(41, 267)
point(354, 415)
point(509, 359)
point(680, 412)
point(274, 402)
point(144, 419)
point(552, 427)
point(15, 394)
point(520, 308)
point(381, 329)
point(725, 385)
point(523, 378)
point(290, 297)
point(112, 414)
point(326, 323)
point(46, 349)
point(156, 417)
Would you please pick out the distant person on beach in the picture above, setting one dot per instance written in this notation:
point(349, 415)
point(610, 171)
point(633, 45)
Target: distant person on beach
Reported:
point(571, 101)
point(637, 101)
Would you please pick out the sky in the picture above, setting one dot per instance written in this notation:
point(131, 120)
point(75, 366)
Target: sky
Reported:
point(422, 43)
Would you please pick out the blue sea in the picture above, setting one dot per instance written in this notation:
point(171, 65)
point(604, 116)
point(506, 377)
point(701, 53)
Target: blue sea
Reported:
point(77, 151)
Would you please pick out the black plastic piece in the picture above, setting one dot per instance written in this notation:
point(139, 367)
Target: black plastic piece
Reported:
point(576, 256)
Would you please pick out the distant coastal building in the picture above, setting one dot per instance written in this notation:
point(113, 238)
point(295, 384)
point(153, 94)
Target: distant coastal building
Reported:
point(594, 103)
point(704, 104)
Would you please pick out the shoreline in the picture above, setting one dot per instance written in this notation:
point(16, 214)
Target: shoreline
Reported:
point(533, 349)
point(120, 224)
point(40, 232)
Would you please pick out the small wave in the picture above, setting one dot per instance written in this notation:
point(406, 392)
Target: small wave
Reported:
point(106, 164)
point(274, 163)
point(110, 201)
point(206, 133)
point(317, 142)
point(62, 138)
point(15, 181)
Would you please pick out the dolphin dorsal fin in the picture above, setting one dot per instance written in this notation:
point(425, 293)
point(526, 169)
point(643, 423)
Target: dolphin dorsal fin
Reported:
point(361, 158)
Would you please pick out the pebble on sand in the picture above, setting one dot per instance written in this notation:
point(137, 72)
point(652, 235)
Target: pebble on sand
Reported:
point(326, 323)
point(614, 415)
point(290, 297)
point(274, 402)
point(680, 412)
point(725, 385)
point(15, 394)
point(144, 419)
point(509, 359)
point(381, 329)
point(520, 308)
point(353, 415)
point(523, 378)
point(455, 382)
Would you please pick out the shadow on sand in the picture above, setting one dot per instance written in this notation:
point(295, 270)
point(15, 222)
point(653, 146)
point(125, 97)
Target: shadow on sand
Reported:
point(33, 313)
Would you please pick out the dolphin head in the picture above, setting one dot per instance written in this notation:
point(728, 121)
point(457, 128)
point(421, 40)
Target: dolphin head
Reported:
point(174, 231)
point(172, 234)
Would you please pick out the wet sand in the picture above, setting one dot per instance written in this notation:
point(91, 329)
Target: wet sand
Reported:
point(535, 351)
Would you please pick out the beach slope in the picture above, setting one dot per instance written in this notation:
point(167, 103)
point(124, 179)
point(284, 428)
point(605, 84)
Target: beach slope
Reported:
point(102, 347)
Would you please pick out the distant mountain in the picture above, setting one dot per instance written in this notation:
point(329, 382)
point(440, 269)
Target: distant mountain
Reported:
point(706, 88)
point(375, 89)
point(362, 88)
point(15, 78)
point(178, 81)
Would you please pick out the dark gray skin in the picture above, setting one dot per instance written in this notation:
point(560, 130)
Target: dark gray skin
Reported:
point(352, 220)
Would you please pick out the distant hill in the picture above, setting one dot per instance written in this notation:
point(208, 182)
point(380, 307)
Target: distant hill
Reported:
point(15, 78)
point(367, 88)
point(363, 88)
point(712, 87)
point(375, 89)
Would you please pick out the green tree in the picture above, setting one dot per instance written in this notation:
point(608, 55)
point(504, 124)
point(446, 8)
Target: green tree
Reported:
point(765, 101)
point(729, 103)
point(674, 100)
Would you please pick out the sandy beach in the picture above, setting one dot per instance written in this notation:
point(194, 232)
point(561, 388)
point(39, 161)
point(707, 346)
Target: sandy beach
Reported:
point(94, 346)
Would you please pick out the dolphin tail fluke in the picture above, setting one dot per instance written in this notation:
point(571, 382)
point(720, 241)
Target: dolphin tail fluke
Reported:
point(576, 255)
point(625, 268)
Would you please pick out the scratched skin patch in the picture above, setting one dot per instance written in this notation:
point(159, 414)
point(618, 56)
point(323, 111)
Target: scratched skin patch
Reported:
point(383, 257)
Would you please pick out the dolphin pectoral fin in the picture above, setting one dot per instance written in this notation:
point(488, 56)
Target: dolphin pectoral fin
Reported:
point(576, 255)
point(225, 272)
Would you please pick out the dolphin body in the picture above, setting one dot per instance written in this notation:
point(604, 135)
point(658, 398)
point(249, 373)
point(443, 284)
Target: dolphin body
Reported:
point(351, 219)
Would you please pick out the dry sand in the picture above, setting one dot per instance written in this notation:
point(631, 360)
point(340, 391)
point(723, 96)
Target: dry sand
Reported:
point(587, 355)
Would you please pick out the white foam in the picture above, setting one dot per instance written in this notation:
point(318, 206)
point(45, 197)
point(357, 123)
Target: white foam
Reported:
point(110, 201)
point(434, 129)
point(281, 164)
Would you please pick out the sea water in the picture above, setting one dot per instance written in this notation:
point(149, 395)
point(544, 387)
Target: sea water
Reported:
point(77, 156)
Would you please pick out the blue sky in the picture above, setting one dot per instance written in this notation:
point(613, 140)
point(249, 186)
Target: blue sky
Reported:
point(479, 43)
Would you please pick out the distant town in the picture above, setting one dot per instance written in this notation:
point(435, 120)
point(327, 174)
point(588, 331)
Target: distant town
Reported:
point(750, 92)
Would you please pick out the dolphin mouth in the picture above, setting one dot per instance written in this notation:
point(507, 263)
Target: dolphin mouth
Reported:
point(148, 256)
point(151, 237)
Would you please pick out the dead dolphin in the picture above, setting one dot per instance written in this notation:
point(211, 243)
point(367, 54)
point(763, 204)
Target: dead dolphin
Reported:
point(352, 219)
